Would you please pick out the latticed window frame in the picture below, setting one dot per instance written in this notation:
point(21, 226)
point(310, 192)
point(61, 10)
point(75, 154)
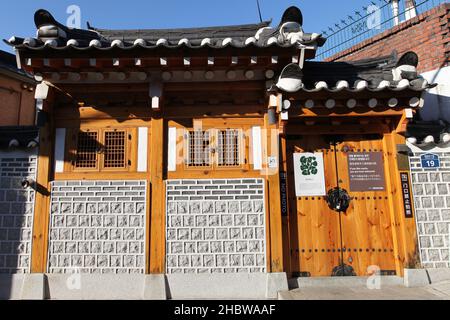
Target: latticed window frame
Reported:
point(100, 161)
point(236, 153)
point(189, 152)
point(125, 151)
point(76, 148)
point(213, 151)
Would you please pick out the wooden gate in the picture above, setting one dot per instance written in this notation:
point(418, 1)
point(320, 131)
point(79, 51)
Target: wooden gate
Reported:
point(322, 239)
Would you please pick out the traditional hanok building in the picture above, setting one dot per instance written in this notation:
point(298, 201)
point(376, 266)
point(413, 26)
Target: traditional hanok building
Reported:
point(215, 162)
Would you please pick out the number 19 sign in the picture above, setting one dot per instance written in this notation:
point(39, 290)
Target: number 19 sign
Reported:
point(430, 161)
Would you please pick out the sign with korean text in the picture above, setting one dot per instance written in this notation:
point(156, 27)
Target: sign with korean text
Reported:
point(309, 174)
point(406, 192)
point(366, 171)
point(283, 193)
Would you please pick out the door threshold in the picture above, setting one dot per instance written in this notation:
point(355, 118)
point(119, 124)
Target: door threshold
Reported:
point(322, 282)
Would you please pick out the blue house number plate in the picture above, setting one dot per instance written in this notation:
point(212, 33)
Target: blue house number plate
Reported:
point(430, 161)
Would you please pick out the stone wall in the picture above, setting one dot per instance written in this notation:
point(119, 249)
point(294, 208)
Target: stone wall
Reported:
point(16, 211)
point(97, 227)
point(431, 189)
point(216, 226)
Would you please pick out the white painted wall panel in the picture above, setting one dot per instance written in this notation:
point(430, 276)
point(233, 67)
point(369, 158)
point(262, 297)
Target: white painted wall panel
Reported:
point(172, 149)
point(142, 149)
point(60, 148)
point(257, 148)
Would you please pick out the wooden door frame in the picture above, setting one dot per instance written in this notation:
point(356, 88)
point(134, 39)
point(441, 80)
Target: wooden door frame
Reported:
point(404, 233)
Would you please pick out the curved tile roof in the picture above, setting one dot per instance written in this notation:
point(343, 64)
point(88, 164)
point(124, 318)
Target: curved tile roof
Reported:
point(428, 133)
point(18, 137)
point(54, 35)
point(374, 75)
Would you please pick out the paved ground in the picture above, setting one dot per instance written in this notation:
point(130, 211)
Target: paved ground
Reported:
point(440, 291)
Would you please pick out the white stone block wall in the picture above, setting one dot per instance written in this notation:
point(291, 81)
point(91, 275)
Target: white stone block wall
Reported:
point(97, 227)
point(16, 211)
point(431, 188)
point(216, 226)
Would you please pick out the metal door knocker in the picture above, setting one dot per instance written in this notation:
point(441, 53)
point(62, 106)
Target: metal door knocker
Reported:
point(338, 200)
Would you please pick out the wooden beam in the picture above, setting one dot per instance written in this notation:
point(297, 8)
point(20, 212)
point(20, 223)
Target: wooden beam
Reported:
point(275, 240)
point(157, 216)
point(344, 112)
point(403, 230)
point(217, 86)
point(311, 128)
point(39, 250)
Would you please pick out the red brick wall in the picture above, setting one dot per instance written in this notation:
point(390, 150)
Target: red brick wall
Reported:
point(427, 34)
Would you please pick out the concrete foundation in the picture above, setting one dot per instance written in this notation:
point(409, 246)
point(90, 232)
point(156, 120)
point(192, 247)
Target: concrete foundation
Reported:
point(422, 277)
point(190, 286)
point(141, 287)
point(416, 278)
point(33, 287)
point(82, 287)
point(226, 286)
point(349, 282)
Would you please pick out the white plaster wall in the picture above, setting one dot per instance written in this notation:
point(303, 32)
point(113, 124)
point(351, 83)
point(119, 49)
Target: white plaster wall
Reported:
point(437, 100)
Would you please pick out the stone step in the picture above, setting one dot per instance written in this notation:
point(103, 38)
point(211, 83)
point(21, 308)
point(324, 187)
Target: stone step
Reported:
point(322, 282)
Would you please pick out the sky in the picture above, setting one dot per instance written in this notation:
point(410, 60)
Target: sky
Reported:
point(16, 17)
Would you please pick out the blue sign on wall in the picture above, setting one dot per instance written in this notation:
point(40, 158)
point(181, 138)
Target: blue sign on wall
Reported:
point(430, 161)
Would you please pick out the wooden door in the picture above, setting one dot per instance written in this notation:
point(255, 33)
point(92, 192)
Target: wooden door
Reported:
point(322, 239)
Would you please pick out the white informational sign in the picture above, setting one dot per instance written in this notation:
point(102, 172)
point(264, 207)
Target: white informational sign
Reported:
point(273, 162)
point(309, 175)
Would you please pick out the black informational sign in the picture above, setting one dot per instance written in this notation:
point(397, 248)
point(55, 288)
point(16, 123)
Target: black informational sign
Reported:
point(283, 193)
point(406, 191)
point(366, 171)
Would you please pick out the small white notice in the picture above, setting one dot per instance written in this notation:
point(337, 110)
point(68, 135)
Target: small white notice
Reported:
point(273, 162)
point(309, 175)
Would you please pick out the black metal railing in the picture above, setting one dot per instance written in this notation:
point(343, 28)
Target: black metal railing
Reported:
point(371, 20)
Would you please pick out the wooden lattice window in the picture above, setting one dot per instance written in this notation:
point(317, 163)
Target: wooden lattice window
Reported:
point(115, 148)
point(87, 150)
point(214, 148)
point(229, 148)
point(102, 150)
point(198, 149)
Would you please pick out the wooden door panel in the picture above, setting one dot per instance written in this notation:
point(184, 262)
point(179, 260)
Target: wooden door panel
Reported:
point(366, 226)
point(318, 237)
point(315, 229)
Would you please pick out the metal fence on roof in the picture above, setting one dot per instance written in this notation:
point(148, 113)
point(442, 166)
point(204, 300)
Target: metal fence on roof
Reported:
point(366, 22)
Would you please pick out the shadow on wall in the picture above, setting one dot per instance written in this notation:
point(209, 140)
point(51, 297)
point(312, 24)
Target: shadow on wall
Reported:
point(437, 100)
point(16, 219)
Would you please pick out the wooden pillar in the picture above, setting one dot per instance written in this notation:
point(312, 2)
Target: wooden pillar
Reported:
point(403, 229)
point(39, 249)
point(157, 215)
point(274, 197)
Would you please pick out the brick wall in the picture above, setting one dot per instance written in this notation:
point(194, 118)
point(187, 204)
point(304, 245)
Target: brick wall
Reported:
point(16, 211)
point(216, 226)
point(432, 202)
point(97, 227)
point(428, 35)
